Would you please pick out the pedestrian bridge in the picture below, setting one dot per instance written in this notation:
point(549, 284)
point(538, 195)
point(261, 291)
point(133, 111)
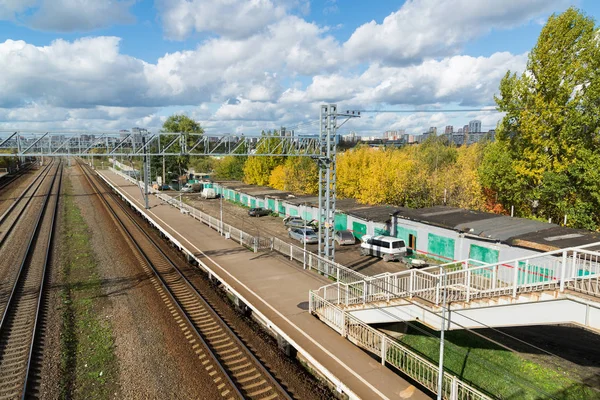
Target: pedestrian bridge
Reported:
point(561, 286)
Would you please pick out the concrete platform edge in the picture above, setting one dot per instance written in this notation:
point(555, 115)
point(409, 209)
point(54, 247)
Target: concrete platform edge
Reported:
point(340, 386)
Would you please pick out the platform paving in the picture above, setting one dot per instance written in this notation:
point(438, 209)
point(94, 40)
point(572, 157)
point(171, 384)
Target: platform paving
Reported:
point(279, 289)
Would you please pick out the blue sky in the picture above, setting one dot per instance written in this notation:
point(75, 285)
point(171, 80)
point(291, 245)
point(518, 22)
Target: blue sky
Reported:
point(248, 65)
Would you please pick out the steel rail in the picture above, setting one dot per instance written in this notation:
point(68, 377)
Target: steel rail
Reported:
point(237, 341)
point(110, 209)
point(12, 303)
point(47, 257)
point(14, 177)
point(14, 223)
point(18, 199)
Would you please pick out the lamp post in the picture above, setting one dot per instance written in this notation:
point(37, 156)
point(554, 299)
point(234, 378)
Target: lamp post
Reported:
point(443, 328)
point(221, 207)
point(304, 258)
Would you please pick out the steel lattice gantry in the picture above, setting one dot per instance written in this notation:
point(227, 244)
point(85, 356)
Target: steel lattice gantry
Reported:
point(321, 148)
point(84, 144)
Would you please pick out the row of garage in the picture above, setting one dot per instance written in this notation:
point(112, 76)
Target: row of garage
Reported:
point(443, 233)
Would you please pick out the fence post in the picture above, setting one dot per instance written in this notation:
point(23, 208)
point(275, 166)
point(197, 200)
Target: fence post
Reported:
point(437, 290)
point(515, 279)
point(255, 241)
point(343, 324)
point(411, 285)
point(291, 250)
point(310, 302)
point(563, 270)
point(494, 277)
point(573, 265)
point(309, 261)
point(382, 349)
point(468, 285)
point(364, 292)
point(454, 390)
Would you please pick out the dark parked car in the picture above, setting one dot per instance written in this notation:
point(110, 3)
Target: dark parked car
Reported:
point(258, 212)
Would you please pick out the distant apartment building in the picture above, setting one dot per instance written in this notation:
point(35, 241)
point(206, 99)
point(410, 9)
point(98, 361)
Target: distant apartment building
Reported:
point(465, 129)
point(475, 126)
point(449, 130)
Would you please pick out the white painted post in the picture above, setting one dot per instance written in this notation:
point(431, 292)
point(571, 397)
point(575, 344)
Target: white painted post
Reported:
point(574, 265)
point(437, 288)
point(515, 278)
point(494, 277)
point(383, 349)
point(468, 285)
point(291, 249)
point(563, 270)
point(309, 261)
point(387, 288)
point(364, 292)
point(411, 286)
point(343, 324)
point(454, 391)
point(241, 237)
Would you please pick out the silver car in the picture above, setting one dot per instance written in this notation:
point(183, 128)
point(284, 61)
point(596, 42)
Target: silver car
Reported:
point(302, 234)
point(344, 237)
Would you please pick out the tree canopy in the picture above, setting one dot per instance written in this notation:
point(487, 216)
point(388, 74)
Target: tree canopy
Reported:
point(548, 141)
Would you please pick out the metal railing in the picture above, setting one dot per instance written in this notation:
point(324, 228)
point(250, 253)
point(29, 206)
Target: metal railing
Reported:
point(575, 268)
point(391, 352)
point(309, 260)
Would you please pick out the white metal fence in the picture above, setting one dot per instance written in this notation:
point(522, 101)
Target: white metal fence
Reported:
point(390, 351)
point(308, 259)
point(573, 268)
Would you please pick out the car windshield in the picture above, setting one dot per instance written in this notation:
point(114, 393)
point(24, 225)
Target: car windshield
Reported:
point(346, 235)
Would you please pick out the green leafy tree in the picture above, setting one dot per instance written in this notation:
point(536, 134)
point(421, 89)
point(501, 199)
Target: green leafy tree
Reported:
point(230, 168)
point(258, 168)
point(177, 123)
point(552, 115)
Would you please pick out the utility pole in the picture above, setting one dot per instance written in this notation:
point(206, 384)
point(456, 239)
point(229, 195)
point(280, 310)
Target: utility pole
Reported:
point(327, 175)
point(146, 167)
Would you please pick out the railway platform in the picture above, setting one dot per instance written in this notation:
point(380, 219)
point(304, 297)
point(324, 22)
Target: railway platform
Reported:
point(276, 292)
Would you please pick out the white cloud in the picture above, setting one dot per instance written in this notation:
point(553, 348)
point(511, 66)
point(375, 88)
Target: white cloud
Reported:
point(437, 28)
point(229, 18)
point(67, 15)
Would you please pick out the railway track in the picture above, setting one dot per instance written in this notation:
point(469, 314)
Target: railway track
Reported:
point(10, 217)
point(235, 370)
point(21, 309)
point(8, 179)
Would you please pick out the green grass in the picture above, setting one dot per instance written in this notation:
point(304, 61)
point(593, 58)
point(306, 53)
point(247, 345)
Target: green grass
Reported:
point(88, 364)
point(494, 369)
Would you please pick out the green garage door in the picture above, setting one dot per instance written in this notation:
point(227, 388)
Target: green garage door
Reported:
point(271, 204)
point(440, 246)
point(281, 210)
point(486, 256)
point(293, 212)
point(341, 222)
point(252, 203)
point(359, 229)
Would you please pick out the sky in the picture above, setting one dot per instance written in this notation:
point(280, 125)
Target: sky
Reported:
point(243, 66)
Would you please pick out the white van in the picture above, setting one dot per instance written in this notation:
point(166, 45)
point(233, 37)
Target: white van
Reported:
point(209, 193)
point(387, 247)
